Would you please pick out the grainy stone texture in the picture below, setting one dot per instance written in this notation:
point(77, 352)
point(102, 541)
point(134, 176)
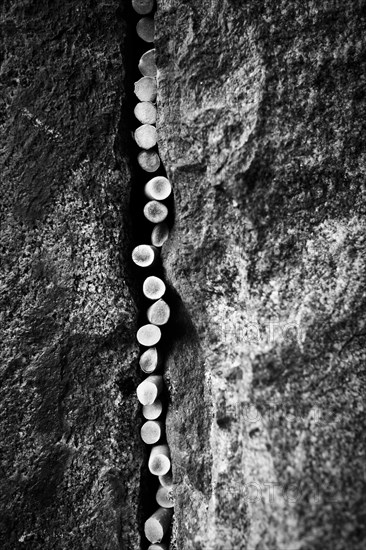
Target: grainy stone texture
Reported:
point(261, 129)
point(71, 455)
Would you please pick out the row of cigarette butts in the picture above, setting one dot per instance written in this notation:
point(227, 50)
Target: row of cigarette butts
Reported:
point(157, 189)
point(146, 92)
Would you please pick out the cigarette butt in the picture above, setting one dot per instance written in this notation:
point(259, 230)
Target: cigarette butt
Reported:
point(158, 524)
point(158, 546)
point(145, 29)
point(158, 313)
point(144, 255)
point(165, 497)
point(147, 335)
point(151, 433)
point(148, 160)
point(149, 360)
point(145, 88)
point(147, 64)
point(146, 136)
point(155, 211)
point(145, 112)
point(166, 480)
point(158, 188)
point(159, 460)
point(153, 411)
point(143, 7)
point(159, 234)
point(149, 389)
point(153, 288)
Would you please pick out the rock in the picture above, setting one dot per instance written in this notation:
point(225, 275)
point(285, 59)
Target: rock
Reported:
point(261, 111)
point(260, 130)
point(69, 354)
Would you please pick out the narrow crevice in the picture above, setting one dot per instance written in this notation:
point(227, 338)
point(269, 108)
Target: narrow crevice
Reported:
point(132, 48)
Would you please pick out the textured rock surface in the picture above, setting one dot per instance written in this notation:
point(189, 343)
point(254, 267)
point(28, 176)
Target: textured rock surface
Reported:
point(261, 126)
point(70, 446)
point(261, 130)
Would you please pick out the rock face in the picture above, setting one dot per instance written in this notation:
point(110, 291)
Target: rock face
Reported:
point(71, 455)
point(261, 124)
point(261, 130)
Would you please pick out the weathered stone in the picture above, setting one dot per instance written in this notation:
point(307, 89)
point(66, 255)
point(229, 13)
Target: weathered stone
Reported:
point(261, 131)
point(71, 456)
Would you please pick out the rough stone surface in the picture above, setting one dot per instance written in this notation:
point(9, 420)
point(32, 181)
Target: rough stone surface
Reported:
point(261, 129)
point(71, 455)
